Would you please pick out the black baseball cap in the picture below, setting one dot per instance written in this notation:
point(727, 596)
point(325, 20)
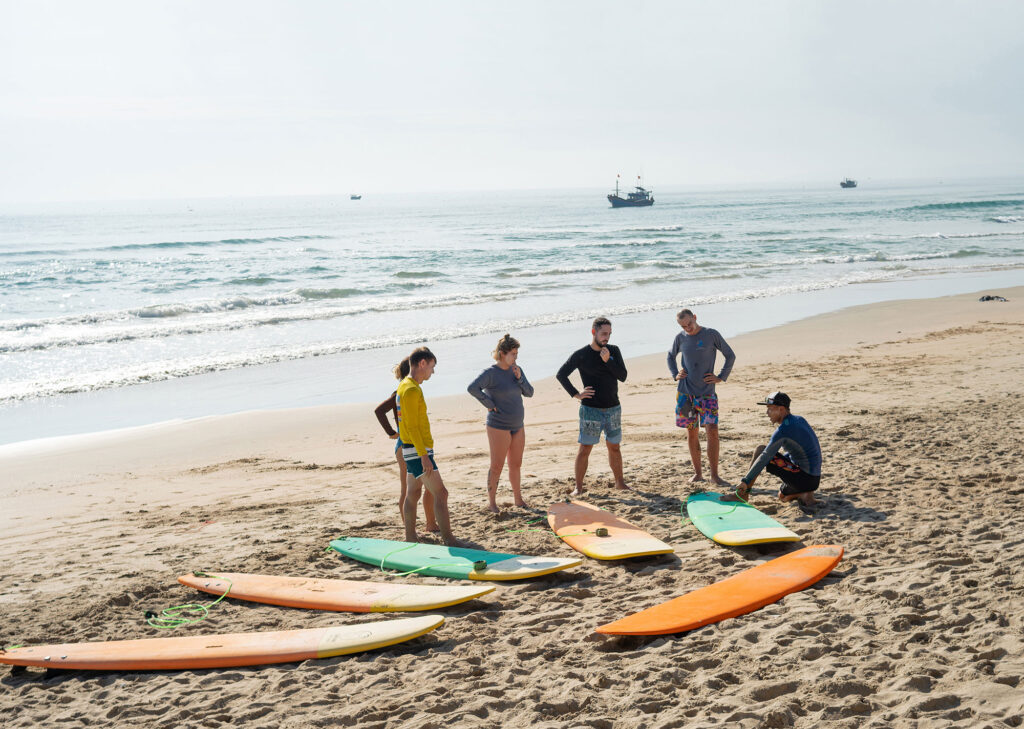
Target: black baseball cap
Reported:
point(776, 398)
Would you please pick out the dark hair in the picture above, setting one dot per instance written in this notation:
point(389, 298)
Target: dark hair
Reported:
point(505, 345)
point(684, 312)
point(402, 369)
point(420, 354)
point(600, 322)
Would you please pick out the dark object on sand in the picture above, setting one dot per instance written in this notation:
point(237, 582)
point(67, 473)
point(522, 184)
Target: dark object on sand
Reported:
point(989, 297)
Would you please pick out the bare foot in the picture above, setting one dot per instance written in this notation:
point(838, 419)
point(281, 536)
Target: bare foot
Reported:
point(493, 508)
point(434, 528)
point(623, 487)
point(577, 491)
point(522, 504)
point(414, 538)
point(451, 541)
point(697, 479)
point(807, 499)
point(719, 481)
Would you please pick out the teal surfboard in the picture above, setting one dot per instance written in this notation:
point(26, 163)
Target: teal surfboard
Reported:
point(733, 522)
point(439, 561)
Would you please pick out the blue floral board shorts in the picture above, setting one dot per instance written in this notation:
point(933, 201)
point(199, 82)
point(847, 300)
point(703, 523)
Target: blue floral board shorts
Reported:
point(594, 420)
point(691, 412)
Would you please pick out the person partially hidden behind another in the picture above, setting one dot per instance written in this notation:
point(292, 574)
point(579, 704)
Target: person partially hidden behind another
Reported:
point(418, 448)
point(799, 467)
point(601, 370)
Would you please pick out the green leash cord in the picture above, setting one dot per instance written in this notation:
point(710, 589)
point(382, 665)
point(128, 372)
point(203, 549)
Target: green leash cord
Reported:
point(175, 617)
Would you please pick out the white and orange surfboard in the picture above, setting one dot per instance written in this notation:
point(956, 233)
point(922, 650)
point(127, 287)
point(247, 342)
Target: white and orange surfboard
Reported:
point(600, 534)
point(357, 596)
point(221, 651)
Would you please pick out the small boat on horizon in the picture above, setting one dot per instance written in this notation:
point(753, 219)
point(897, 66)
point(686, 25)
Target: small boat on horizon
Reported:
point(355, 197)
point(847, 182)
point(640, 198)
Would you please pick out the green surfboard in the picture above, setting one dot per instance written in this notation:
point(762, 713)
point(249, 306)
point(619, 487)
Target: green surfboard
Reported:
point(439, 561)
point(734, 523)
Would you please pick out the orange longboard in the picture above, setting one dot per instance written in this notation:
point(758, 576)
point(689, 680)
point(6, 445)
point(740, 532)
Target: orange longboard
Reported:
point(736, 595)
point(319, 594)
point(599, 534)
point(220, 651)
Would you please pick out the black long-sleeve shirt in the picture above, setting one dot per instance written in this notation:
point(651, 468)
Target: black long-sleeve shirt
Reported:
point(604, 377)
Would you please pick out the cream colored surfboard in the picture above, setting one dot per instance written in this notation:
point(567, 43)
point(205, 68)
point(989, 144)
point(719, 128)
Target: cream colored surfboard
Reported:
point(322, 594)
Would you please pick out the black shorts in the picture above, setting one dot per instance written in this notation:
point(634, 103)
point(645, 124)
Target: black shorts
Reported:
point(797, 482)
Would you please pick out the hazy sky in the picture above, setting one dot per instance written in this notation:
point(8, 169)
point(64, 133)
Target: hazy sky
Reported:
point(205, 98)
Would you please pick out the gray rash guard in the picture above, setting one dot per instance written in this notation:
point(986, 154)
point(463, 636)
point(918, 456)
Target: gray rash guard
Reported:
point(498, 388)
point(699, 359)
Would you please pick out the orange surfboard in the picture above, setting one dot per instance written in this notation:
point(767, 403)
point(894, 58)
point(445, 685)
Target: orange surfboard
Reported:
point(319, 594)
point(220, 651)
point(600, 534)
point(736, 595)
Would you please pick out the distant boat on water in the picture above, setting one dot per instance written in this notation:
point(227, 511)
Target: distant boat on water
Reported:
point(847, 182)
point(355, 197)
point(640, 198)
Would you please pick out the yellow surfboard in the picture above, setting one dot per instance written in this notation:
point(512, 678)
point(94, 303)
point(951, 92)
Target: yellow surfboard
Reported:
point(600, 534)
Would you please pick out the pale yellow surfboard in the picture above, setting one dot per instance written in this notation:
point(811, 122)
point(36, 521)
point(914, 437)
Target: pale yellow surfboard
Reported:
point(220, 651)
point(600, 534)
point(355, 596)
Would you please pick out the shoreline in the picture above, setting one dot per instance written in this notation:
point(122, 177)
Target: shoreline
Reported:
point(357, 377)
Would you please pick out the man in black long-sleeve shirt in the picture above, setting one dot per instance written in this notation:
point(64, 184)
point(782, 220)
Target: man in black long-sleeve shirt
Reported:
point(601, 369)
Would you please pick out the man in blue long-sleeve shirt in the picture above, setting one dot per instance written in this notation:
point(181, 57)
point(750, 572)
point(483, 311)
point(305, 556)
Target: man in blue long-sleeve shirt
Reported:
point(792, 454)
point(696, 399)
point(601, 369)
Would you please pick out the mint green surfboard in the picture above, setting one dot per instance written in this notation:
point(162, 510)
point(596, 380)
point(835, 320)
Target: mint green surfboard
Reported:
point(734, 523)
point(439, 561)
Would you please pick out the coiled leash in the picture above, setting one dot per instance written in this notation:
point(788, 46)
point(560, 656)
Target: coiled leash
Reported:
point(175, 617)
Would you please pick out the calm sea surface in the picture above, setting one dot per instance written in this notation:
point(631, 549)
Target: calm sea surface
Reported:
point(104, 296)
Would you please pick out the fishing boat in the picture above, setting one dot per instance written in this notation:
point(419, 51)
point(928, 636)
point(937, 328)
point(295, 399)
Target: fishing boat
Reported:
point(355, 197)
point(639, 198)
point(847, 182)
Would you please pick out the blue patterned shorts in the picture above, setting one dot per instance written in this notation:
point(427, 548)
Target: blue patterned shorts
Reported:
point(594, 420)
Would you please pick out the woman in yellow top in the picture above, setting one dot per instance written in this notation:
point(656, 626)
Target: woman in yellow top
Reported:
point(391, 405)
point(418, 448)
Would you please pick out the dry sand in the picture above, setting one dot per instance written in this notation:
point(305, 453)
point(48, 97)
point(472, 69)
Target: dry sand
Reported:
point(919, 406)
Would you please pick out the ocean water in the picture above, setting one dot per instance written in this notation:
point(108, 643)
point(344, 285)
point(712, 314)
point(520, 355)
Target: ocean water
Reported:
point(114, 296)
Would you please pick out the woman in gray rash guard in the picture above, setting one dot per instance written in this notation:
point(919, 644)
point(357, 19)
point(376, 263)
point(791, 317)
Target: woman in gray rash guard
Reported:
point(500, 388)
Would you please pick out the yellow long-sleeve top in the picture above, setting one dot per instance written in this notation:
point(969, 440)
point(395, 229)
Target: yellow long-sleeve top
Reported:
point(414, 427)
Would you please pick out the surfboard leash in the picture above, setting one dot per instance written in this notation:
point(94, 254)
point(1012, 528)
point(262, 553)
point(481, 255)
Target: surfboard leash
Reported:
point(715, 513)
point(176, 616)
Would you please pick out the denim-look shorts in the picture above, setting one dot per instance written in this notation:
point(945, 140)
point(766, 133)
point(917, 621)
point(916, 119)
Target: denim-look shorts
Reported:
point(594, 420)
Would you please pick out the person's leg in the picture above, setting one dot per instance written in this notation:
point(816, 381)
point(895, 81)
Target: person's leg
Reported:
point(615, 461)
point(412, 496)
point(498, 441)
point(435, 485)
point(515, 465)
point(711, 432)
point(693, 440)
point(401, 479)
point(582, 460)
point(428, 513)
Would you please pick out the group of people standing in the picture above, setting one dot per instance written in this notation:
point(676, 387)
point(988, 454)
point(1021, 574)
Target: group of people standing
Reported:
point(793, 453)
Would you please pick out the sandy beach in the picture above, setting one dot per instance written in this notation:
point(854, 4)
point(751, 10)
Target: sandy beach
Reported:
point(919, 406)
